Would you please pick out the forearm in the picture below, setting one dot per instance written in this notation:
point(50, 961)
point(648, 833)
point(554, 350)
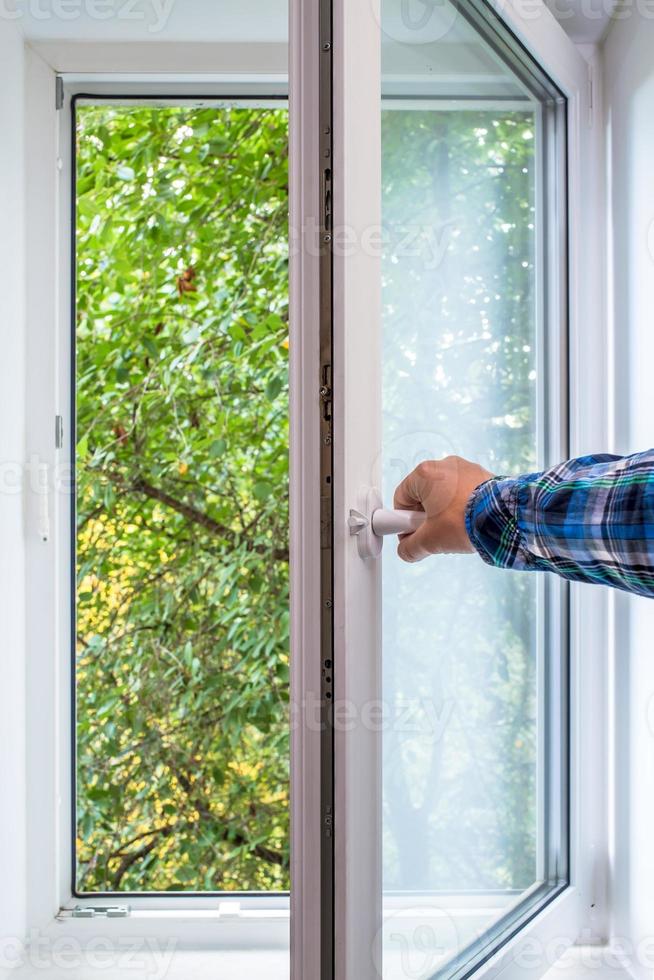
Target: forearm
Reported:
point(589, 519)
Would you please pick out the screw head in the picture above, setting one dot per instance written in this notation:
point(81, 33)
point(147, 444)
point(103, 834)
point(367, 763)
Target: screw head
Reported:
point(326, 239)
point(328, 605)
point(326, 46)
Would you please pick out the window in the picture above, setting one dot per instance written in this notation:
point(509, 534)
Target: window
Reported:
point(474, 817)
point(391, 862)
point(467, 786)
point(450, 338)
point(181, 388)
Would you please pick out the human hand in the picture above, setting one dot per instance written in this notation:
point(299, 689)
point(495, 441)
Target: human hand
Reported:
point(440, 488)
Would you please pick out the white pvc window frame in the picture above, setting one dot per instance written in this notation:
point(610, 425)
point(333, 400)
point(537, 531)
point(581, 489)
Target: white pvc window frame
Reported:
point(583, 905)
point(197, 921)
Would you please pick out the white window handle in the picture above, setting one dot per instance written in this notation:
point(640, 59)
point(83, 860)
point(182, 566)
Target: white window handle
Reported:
point(370, 521)
point(396, 521)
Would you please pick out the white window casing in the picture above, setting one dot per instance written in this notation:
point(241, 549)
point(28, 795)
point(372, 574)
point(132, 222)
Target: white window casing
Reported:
point(198, 923)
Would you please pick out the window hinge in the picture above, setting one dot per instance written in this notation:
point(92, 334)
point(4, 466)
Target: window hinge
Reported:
point(59, 92)
point(328, 821)
point(59, 431)
point(107, 912)
point(325, 392)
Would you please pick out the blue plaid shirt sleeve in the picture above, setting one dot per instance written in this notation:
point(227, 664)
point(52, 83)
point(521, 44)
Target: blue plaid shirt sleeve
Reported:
point(589, 519)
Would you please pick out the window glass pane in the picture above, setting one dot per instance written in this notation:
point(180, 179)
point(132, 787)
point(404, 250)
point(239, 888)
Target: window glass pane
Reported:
point(181, 340)
point(464, 657)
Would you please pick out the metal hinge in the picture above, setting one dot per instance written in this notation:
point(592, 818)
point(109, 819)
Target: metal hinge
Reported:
point(325, 392)
point(95, 911)
point(59, 92)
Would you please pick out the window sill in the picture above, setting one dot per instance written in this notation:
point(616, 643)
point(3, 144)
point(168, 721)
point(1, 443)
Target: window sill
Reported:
point(126, 964)
point(196, 931)
point(598, 962)
point(593, 962)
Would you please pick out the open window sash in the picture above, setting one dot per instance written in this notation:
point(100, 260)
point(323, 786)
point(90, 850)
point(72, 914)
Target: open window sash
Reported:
point(379, 81)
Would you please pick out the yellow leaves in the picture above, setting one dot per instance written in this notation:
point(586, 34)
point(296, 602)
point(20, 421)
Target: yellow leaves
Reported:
point(246, 768)
point(285, 344)
point(271, 798)
point(89, 583)
point(182, 468)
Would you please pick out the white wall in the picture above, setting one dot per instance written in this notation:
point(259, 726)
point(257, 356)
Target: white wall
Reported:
point(12, 452)
point(583, 20)
point(152, 20)
point(629, 95)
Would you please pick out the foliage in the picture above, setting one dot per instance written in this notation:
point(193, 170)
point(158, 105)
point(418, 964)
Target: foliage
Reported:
point(182, 413)
point(182, 496)
point(460, 375)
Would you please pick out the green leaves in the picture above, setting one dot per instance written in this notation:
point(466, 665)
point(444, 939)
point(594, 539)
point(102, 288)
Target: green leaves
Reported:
point(274, 387)
point(182, 692)
point(151, 346)
point(262, 490)
point(217, 448)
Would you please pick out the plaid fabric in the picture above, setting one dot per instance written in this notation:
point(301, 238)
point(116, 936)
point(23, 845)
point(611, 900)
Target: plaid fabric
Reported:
point(589, 519)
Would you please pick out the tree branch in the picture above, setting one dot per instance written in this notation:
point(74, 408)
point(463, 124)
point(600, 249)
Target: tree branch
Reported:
point(130, 859)
point(227, 833)
point(196, 516)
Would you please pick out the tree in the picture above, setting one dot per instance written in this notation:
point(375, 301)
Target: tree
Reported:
point(459, 376)
point(182, 489)
point(182, 480)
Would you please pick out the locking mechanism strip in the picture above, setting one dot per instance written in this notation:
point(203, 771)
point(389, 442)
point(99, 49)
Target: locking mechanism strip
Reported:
point(326, 436)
